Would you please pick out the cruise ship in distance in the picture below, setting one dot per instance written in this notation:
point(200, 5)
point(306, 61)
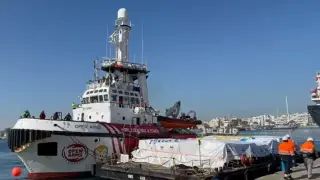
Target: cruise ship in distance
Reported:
point(314, 110)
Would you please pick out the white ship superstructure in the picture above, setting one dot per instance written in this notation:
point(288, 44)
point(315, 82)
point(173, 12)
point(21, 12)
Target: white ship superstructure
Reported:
point(314, 110)
point(121, 96)
point(315, 94)
point(113, 115)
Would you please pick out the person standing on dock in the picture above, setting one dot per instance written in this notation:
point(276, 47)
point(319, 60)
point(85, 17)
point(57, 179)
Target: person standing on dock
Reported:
point(293, 144)
point(286, 152)
point(309, 154)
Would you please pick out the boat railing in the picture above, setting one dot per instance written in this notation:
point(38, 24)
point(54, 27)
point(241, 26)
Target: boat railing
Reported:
point(111, 62)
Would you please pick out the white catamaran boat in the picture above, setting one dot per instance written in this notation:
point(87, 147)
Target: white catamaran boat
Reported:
point(113, 115)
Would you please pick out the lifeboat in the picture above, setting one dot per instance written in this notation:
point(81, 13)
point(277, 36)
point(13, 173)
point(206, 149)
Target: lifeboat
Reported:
point(184, 123)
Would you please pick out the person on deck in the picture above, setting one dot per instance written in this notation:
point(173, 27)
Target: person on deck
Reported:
point(309, 154)
point(42, 115)
point(26, 114)
point(286, 152)
point(55, 116)
point(68, 117)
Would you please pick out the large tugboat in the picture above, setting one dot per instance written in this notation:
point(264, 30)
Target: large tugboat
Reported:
point(114, 113)
point(314, 110)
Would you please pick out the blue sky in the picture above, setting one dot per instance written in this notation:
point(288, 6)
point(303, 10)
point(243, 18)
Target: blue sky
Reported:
point(219, 58)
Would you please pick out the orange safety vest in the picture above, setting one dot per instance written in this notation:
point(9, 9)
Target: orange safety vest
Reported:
point(285, 148)
point(292, 144)
point(307, 147)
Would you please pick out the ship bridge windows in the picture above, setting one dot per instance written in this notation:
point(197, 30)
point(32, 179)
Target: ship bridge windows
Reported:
point(100, 98)
point(95, 91)
point(48, 149)
point(94, 99)
point(114, 91)
point(105, 90)
point(105, 97)
point(85, 100)
point(101, 90)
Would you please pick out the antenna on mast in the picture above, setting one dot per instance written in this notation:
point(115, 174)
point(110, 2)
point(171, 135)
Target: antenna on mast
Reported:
point(107, 45)
point(142, 55)
point(95, 74)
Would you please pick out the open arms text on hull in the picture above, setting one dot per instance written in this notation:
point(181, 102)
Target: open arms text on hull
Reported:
point(113, 115)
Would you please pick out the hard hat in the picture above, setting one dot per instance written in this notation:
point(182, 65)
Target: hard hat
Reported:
point(285, 138)
point(310, 139)
point(288, 136)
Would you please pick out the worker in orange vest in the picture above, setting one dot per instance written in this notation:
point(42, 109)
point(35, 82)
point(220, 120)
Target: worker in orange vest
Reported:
point(293, 144)
point(286, 152)
point(308, 151)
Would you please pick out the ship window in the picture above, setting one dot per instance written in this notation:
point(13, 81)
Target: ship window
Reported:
point(95, 91)
point(120, 92)
point(132, 100)
point(114, 98)
point(94, 99)
point(131, 94)
point(137, 101)
point(123, 118)
point(91, 92)
point(105, 97)
point(100, 90)
point(114, 91)
point(100, 98)
point(135, 94)
point(88, 92)
point(48, 149)
point(126, 100)
point(126, 93)
point(85, 100)
point(105, 90)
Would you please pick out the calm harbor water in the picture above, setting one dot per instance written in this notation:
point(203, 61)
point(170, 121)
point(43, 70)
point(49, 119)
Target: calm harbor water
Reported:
point(9, 159)
point(299, 135)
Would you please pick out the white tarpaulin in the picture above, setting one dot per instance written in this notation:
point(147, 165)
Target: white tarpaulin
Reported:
point(208, 152)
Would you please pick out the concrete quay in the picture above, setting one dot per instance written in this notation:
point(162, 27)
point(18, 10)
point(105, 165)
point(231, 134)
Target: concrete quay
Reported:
point(299, 172)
